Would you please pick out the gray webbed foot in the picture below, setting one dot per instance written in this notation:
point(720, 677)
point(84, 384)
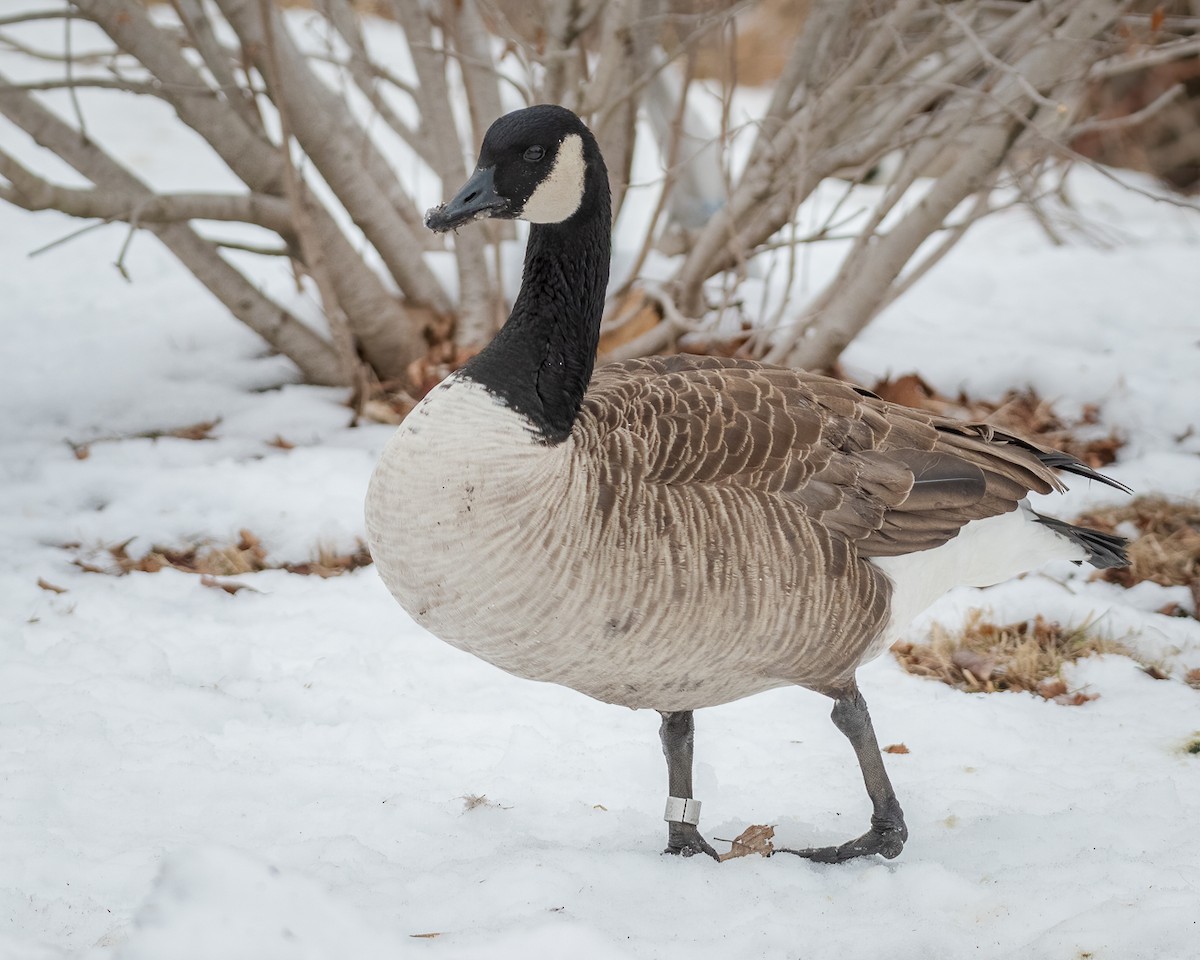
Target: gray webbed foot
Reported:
point(886, 838)
point(684, 840)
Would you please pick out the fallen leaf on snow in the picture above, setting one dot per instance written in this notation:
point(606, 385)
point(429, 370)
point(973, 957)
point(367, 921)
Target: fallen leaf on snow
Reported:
point(896, 748)
point(229, 586)
point(754, 839)
point(46, 585)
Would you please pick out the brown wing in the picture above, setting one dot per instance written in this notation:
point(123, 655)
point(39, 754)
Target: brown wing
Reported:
point(891, 479)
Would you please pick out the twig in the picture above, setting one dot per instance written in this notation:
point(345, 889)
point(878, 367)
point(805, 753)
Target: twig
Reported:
point(94, 56)
point(33, 15)
point(1130, 119)
point(67, 238)
point(70, 71)
point(119, 263)
point(995, 62)
point(145, 88)
point(1153, 57)
point(668, 183)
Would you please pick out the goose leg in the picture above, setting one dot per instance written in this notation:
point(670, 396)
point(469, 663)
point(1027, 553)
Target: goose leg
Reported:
point(677, 731)
point(888, 832)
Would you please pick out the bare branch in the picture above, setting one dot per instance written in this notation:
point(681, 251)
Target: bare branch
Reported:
point(194, 17)
point(91, 57)
point(144, 88)
point(481, 79)
point(866, 276)
point(31, 192)
point(343, 154)
point(476, 315)
point(389, 330)
point(624, 59)
point(1167, 97)
point(34, 15)
point(366, 75)
point(565, 22)
point(1144, 59)
point(273, 323)
point(309, 242)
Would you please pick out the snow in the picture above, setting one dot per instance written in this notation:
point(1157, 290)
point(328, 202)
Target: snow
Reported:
point(284, 773)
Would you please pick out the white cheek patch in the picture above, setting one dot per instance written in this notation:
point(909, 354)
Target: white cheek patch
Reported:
point(561, 193)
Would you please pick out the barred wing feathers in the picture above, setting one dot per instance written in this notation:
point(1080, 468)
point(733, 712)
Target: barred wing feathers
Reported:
point(888, 479)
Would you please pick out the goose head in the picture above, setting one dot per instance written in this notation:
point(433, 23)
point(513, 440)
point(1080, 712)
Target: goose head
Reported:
point(540, 164)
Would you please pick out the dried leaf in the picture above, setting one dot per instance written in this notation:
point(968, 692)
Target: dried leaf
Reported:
point(1192, 678)
point(426, 936)
point(280, 444)
point(754, 839)
point(247, 555)
point(896, 748)
point(970, 661)
point(228, 586)
point(910, 391)
point(1076, 699)
point(151, 563)
point(640, 316)
point(195, 431)
point(380, 412)
point(46, 585)
point(1155, 672)
point(119, 551)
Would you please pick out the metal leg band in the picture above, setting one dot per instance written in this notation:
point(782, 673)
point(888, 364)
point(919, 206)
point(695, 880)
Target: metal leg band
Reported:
point(682, 810)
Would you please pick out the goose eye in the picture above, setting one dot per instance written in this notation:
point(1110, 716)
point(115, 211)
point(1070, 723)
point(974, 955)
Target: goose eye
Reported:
point(534, 154)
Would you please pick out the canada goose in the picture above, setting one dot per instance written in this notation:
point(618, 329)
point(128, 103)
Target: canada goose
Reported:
point(680, 532)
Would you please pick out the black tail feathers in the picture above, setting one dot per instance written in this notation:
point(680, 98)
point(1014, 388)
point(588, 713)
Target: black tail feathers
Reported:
point(1104, 550)
point(1058, 460)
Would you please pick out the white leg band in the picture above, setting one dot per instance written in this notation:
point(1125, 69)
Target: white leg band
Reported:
point(681, 810)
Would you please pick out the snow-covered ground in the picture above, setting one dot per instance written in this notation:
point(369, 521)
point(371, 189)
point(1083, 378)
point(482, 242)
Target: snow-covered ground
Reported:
point(284, 773)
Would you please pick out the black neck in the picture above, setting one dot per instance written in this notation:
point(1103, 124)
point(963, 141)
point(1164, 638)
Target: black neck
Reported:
point(541, 360)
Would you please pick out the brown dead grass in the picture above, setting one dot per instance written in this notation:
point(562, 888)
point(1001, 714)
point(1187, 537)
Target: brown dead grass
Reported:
point(1166, 549)
point(988, 658)
point(210, 560)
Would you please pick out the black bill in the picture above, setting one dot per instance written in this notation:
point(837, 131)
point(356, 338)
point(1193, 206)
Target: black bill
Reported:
point(477, 199)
